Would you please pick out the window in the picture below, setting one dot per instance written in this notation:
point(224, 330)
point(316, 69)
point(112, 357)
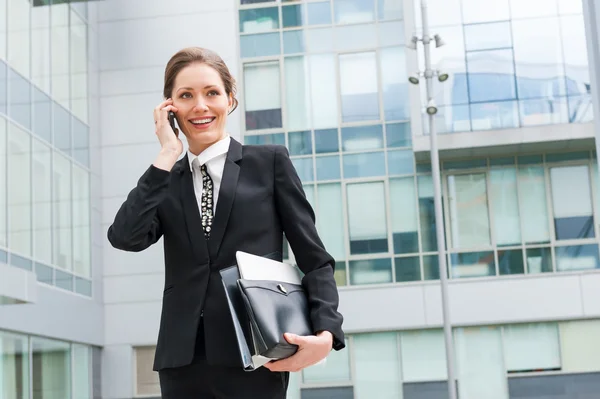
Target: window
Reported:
point(292, 16)
point(330, 220)
point(362, 138)
point(368, 164)
point(42, 202)
point(423, 355)
point(260, 45)
point(394, 82)
point(82, 376)
point(262, 95)
point(531, 347)
point(367, 218)
point(491, 75)
point(353, 11)
point(532, 201)
point(305, 169)
point(389, 9)
point(293, 42)
point(323, 91)
point(427, 214)
point(319, 13)
point(580, 348)
point(40, 47)
point(61, 198)
point(81, 222)
point(59, 39)
point(3, 184)
point(146, 379)
point(19, 36)
point(51, 369)
point(477, 12)
point(3, 32)
point(360, 98)
point(19, 190)
point(78, 73)
point(14, 358)
point(81, 141)
point(328, 168)
point(19, 99)
point(259, 20)
point(488, 36)
point(297, 94)
point(371, 271)
point(377, 361)
point(300, 143)
point(572, 202)
point(336, 369)
point(326, 141)
point(62, 129)
point(403, 200)
point(468, 210)
point(42, 115)
point(355, 37)
point(505, 206)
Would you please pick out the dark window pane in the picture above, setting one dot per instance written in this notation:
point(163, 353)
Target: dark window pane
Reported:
point(370, 271)
point(431, 267)
point(19, 99)
point(263, 119)
point(567, 386)
point(539, 260)
point(426, 390)
point(81, 142)
point(502, 161)
point(44, 273)
point(259, 20)
point(408, 269)
point(62, 129)
point(328, 393)
point(577, 257)
point(3, 87)
point(292, 16)
point(276, 138)
point(300, 143)
point(473, 264)
point(328, 168)
point(42, 115)
point(326, 141)
point(398, 134)
point(371, 246)
point(511, 262)
point(64, 280)
point(574, 227)
point(406, 243)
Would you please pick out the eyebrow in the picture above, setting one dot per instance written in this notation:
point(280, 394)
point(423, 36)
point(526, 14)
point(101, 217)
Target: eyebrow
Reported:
point(192, 89)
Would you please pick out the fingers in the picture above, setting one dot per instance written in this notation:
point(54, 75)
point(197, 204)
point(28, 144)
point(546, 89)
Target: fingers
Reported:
point(161, 112)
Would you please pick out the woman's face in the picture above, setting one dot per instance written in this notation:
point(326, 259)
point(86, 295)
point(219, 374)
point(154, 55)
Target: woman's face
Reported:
point(202, 103)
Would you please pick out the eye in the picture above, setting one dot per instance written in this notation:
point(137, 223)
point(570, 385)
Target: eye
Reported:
point(213, 93)
point(185, 95)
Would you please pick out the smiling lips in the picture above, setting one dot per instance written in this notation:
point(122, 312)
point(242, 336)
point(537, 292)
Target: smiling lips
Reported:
point(202, 123)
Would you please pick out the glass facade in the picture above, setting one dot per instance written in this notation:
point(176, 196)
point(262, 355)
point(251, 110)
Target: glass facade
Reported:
point(39, 368)
point(44, 141)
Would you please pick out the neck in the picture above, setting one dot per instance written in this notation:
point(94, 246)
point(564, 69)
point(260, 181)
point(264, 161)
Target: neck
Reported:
point(196, 148)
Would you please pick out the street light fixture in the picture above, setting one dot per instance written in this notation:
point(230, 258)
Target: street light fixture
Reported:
point(431, 110)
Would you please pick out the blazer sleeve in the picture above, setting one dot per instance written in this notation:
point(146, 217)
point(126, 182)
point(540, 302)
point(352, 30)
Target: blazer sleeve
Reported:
point(137, 225)
point(298, 221)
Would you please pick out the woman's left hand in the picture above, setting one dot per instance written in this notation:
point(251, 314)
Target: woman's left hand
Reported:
point(311, 349)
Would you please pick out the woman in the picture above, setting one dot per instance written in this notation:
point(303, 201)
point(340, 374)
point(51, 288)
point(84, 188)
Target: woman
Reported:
point(221, 197)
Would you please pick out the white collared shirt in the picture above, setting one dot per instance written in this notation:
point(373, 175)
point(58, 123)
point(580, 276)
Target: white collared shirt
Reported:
point(214, 157)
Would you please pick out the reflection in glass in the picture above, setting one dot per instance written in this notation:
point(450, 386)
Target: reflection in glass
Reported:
point(330, 219)
point(19, 35)
point(42, 202)
point(262, 95)
point(276, 138)
point(431, 267)
point(3, 177)
point(61, 197)
point(370, 271)
point(394, 82)
point(42, 115)
point(81, 142)
point(377, 366)
point(257, 20)
point(577, 257)
point(304, 167)
point(408, 269)
point(491, 75)
point(78, 72)
point(398, 134)
point(300, 143)
point(551, 110)
point(580, 108)
point(367, 222)
point(361, 138)
point(505, 206)
point(19, 99)
point(59, 56)
point(423, 356)
point(51, 369)
point(260, 45)
point(389, 9)
point(14, 363)
point(441, 13)
point(533, 8)
point(359, 92)
point(336, 368)
point(427, 214)
point(353, 11)
point(19, 191)
point(391, 33)
point(3, 86)
point(532, 200)
point(63, 280)
point(468, 210)
point(297, 96)
point(292, 16)
point(62, 129)
point(82, 364)
point(40, 47)
point(355, 37)
point(3, 31)
point(364, 165)
point(293, 41)
point(319, 13)
point(475, 11)
point(573, 214)
point(326, 141)
point(320, 40)
point(403, 207)
point(531, 347)
point(473, 264)
point(323, 91)
point(494, 115)
point(488, 36)
point(539, 260)
point(511, 262)
point(81, 222)
point(328, 168)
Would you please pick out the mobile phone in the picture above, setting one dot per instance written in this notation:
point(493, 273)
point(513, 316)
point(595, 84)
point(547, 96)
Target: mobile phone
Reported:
point(172, 120)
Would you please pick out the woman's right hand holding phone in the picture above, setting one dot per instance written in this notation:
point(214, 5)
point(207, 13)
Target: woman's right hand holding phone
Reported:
point(171, 146)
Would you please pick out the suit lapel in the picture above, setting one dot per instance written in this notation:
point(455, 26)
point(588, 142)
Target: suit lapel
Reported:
point(191, 211)
point(227, 191)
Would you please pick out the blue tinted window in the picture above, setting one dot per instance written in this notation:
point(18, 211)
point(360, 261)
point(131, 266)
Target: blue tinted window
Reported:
point(292, 16)
point(304, 167)
point(401, 162)
point(328, 168)
point(362, 138)
point(300, 143)
point(3, 87)
point(491, 75)
point(326, 141)
point(293, 41)
point(19, 99)
point(364, 165)
point(487, 36)
point(259, 20)
point(62, 128)
point(260, 45)
point(83, 286)
point(398, 134)
point(81, 142)
point(45, 274)
point(276, 138)
point(495, 115)
point(42, 115)
point(64, 280)
point(319, 13)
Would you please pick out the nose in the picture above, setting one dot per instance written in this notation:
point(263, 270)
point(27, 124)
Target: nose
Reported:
point(201, 105)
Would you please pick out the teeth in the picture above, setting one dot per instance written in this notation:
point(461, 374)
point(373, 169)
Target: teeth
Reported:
point(202, 121)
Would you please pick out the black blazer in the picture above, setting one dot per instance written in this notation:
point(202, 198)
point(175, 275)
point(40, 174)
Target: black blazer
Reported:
point(260, 199)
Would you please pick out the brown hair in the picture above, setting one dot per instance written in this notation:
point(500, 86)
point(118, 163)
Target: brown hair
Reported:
point(191, 55)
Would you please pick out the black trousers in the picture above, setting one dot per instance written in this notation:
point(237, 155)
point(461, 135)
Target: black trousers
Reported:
point(202, 381)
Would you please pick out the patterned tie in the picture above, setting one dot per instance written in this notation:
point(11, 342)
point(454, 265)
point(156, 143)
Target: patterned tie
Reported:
point(207, 201)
